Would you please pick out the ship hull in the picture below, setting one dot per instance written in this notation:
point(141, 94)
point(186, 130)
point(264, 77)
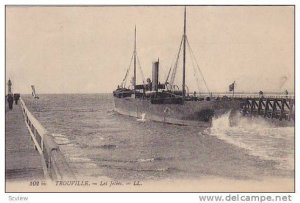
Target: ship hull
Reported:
point(191, 113)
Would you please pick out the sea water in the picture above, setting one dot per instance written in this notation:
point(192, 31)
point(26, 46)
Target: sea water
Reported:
point(99, 142)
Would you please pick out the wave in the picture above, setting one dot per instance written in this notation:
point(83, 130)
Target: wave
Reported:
point(108, 146)
point(105, 146)
point(145, 160)
point(257, 136)
point(80, 159)
point(58, 135)
point(155, 159)
point(85, 163)
point(166, 169)
point(62, 139)
point(142, 160)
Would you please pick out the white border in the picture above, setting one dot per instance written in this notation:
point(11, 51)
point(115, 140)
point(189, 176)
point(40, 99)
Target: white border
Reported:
point(128, 197)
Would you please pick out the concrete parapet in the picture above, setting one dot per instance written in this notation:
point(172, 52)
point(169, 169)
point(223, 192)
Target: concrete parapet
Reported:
point(57, 165)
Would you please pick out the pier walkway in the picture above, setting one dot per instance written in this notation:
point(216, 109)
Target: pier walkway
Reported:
point(22, 161)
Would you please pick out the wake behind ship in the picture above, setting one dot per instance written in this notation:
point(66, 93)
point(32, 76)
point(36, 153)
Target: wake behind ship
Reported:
point(166, 102)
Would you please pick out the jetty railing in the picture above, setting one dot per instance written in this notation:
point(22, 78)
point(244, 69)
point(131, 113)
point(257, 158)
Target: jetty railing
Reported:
point(55, 164)
point(275, 95)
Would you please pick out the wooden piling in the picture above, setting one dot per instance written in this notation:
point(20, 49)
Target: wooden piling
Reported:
point(275, 108)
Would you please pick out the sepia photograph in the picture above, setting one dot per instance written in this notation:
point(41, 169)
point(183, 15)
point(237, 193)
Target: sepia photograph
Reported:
point(150, 98)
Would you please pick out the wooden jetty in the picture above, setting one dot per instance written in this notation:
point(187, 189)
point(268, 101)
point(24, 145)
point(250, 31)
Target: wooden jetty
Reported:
point(31, 152)
point(275, 108)
point(271, 105)
point(22, 161)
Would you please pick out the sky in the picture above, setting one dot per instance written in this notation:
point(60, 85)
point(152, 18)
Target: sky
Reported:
point(88, 49)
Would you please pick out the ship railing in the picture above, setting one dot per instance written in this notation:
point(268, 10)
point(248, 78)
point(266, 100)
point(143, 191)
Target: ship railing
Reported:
point(54, 163)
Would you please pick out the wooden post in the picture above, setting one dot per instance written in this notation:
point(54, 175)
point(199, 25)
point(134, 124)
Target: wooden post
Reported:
point(247, 107)
point(259, 106)
point(291, 109)
point(283, 101)
point(274, 108)
point(252, 106)
point(267, 107)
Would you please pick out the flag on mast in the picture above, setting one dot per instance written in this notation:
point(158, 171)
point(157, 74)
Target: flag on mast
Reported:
point(231, 86)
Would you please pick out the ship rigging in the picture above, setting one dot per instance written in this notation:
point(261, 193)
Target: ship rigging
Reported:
point(167, 102)
point(169, 87)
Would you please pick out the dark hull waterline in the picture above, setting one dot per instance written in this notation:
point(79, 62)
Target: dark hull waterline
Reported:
point(191, 113)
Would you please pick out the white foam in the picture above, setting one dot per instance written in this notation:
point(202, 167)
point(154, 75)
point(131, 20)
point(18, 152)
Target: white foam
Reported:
point(146, 160)
point(142, 119)
point(80, 159)
point(257, 136)
point(58, 135)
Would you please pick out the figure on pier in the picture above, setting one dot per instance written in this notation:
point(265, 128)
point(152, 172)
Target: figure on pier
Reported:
point(261, 94)
point(16, 98)
point(286, 93)
point(10, 98)
point(10, 101)
point(9, 84)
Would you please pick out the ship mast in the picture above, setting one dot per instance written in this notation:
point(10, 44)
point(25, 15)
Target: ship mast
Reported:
point(184, 46)
point(134, 60)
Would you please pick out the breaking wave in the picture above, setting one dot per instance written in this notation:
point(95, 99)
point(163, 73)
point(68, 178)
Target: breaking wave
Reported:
point(258, 137)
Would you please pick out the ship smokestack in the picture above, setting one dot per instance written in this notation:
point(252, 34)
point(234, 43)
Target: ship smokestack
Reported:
point(155, 70)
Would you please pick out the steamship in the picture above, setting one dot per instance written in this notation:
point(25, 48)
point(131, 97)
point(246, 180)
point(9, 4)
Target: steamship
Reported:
point(166, 102)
